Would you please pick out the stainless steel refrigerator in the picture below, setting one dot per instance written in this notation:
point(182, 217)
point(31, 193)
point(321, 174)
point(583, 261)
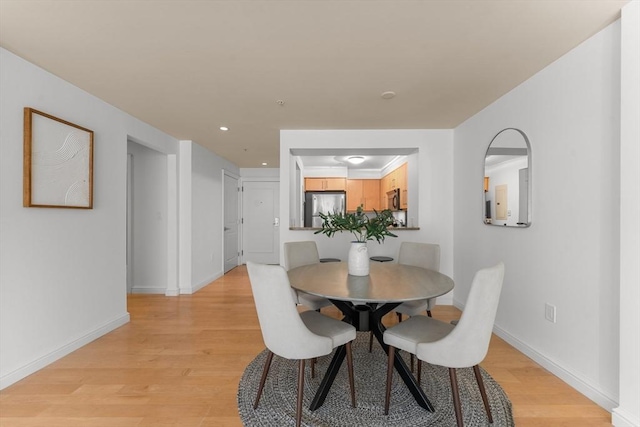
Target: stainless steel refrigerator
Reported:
point(322, 202)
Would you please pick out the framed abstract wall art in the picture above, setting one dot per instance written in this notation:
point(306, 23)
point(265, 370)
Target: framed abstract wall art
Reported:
point(58, 162)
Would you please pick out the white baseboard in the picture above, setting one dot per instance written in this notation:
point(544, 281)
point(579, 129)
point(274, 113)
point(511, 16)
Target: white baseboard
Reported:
point(36, 365)
point(579, 383)
point(141, 290)
point(195, 288)
point(622, 418)
point(446, 299)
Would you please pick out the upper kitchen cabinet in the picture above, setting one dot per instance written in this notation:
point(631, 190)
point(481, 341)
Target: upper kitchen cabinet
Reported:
point(403, 184)
point(325, 184)
point(363, 192)
point(393, 180)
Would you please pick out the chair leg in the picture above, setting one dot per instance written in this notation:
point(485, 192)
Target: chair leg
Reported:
point(429, 313)
point(370, 341)
point(483, 393)
point(411, 359)
point(313, 367)
point(456, 396)
point(300, 390)
point(265, 371)
point(387, 396)
point(419, 373)
point(350, 366)
point(399, 317)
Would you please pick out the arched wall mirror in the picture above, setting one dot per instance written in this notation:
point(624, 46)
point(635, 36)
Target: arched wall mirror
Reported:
point(507, 180)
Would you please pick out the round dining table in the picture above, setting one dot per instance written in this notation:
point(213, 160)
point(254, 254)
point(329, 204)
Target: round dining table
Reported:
point(364, 300)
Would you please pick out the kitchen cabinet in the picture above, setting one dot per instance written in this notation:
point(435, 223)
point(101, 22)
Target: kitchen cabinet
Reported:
point(325, 184)
point(395, 179)
point(385, 183)
point(402, 184)
point(365, 192)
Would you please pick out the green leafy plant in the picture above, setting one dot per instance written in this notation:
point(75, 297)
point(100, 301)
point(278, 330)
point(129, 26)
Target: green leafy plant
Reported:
point(359, 224)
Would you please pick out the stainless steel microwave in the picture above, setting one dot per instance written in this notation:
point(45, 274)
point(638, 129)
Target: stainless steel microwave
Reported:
point(393, 199)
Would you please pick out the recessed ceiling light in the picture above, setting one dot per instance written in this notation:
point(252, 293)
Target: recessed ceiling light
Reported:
point(388, 94)
point(224, 128)
point(280, 102)
point(356, 160)
point(264, 163)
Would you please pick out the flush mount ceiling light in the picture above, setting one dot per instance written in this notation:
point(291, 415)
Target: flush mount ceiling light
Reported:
point(355, 160)
point(264, 163)
point(224, 128)
point(388, 94)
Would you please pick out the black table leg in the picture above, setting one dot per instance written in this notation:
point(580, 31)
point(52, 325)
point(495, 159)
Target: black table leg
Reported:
point(405, 373)
point(329, 376)
point(376, 314)
point(349, 311)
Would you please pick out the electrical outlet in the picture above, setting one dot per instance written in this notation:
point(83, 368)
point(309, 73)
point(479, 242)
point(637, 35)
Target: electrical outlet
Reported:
point(550, 312)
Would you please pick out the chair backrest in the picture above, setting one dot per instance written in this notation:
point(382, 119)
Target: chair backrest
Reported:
point(426, 255)
point(467, 344)
point(297, 254)
point(283, 331)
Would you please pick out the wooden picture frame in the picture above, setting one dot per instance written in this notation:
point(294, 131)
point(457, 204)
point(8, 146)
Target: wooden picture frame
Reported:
point(58, 163)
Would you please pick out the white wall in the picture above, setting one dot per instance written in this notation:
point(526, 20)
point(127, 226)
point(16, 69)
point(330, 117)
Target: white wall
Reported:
point(569, 255)
point(434, 214)
point(627, 414)
point(62, 271)
point(259, 173)
point(149, 222)
point(207, 261)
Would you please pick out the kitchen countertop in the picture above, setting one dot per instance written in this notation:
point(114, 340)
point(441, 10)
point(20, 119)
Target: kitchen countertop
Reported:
point(390, 228)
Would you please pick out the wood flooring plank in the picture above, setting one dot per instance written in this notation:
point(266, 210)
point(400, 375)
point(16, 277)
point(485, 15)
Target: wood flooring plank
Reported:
point(180, 359)
point(70, 422)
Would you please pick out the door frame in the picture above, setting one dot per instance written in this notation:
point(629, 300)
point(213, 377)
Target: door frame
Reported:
point(239, 210)
point(171, 284)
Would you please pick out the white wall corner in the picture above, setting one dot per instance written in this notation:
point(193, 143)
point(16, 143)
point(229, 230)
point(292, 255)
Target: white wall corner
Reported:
point(627, 414)
point(204, 283)
point(184, 216)
point(172, 226)
point(622, 418)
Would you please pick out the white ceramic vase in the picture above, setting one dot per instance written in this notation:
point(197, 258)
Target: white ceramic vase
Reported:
point(358, 259)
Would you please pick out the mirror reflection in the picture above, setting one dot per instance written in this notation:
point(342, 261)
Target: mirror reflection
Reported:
point(507, 180)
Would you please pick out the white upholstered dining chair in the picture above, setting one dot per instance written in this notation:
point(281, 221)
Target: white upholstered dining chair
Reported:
point(425, 255)
point(294, 335)
point(462, 345)
point(297, 254)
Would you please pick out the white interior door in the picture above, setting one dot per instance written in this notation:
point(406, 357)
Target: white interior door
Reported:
point(501, 202)
point(261, 222)
point(231, 219)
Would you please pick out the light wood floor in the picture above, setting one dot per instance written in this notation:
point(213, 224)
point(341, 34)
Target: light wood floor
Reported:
point(178, 363)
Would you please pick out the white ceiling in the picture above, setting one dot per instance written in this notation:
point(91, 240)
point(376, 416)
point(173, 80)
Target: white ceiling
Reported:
point(188, 67)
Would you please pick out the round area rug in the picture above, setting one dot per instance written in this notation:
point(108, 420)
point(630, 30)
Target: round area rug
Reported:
point(277, 405)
